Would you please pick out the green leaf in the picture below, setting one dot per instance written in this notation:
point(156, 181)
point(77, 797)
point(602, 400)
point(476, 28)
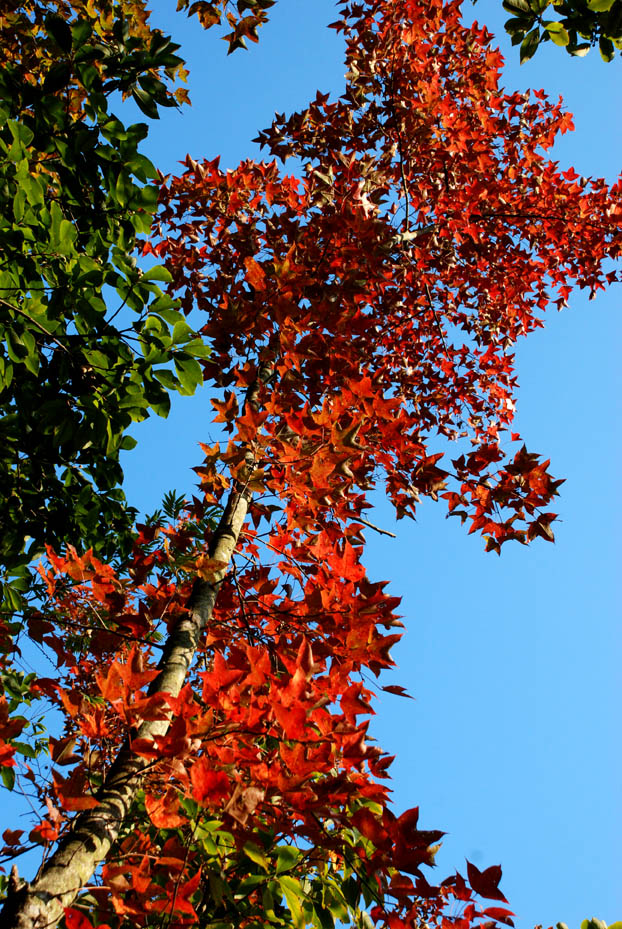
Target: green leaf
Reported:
point(81, 31)
point(162, 405)
point(19, 205)
point(166, 378)
point(334, 900)
point(12, 598)
point(606, 47)
point(600, 6)
point(153, 325)
point(8, 777)
point(67, 234)
point(97, 359)
point(182, 332)
point(163, 304)
point(292, 891)
point(529, 45)
point(58, 28)
point(145, 103)
point(143, 168)
point(56, 217)
point(57, 77)
point(248, 884)
point(148, 198)
point(6, 373)
point(197, 348)
point(170, 316)
point(31, 362)
point(20, 133)
point(558, 34)
point(189, 373)
point(255, 854)
point(15, 347)
point(288, 857)
point(122, 189)
point(324, 917)
point(24, 749)
point(579, 51)
point(158, 273)
point(516, 26)
point(33, 188)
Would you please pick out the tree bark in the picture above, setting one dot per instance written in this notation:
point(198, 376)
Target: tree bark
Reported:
point(41, 904)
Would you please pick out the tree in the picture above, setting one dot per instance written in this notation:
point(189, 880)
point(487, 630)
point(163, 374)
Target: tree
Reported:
point(580, 25)
point(352, 319)
point(76, 193)
point(76, 368)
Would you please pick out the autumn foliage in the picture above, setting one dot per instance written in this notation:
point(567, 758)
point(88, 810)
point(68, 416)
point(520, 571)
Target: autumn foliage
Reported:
point(360, 319)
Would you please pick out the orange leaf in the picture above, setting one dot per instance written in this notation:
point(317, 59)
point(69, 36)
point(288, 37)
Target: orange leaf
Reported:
point(162, 811)
point(255, 274)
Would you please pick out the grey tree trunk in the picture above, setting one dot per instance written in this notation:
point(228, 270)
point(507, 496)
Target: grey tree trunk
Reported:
point(40, 904)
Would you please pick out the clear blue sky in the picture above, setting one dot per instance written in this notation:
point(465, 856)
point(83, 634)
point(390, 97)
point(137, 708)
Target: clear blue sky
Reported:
point(512, 745)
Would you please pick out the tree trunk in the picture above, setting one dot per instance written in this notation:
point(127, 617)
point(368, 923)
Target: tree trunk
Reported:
point(40, 904)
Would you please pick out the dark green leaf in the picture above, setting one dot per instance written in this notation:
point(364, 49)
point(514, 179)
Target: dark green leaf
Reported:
point(145, 103)
point(8, 777)
point(607, 49)
point(529, 45)
point(59, 29)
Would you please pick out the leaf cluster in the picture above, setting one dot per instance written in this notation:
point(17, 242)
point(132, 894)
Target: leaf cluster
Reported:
point(89, 343)
point(244, 17)
point(579, 25)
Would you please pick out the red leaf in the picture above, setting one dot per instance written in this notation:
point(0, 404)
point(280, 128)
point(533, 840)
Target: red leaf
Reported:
point(485, 883)
point(371, 827)
point(500, 914)
point(397, 690)
point(255, 274)
point(209, 787)
point(75, 919)
point(163, 811)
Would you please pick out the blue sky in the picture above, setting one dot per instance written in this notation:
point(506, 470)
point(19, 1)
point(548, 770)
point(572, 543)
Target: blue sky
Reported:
point(512, 745)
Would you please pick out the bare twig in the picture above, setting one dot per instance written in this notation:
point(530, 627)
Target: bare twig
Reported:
point(359, 519)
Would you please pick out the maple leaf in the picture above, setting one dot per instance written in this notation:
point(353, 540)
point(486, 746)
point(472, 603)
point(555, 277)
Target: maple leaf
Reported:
point(485, 883)
point(163, 810)
point(209, 787)
point(255, 274)
point(72, 792)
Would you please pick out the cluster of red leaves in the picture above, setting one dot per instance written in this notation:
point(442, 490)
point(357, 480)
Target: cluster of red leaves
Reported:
point(10, 726)
point(386, 291)
point(390, 285)
point(9, 729)
point(268, 735)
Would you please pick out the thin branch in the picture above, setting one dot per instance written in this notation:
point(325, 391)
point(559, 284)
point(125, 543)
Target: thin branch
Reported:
point(359, 519)
point(41, 328)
